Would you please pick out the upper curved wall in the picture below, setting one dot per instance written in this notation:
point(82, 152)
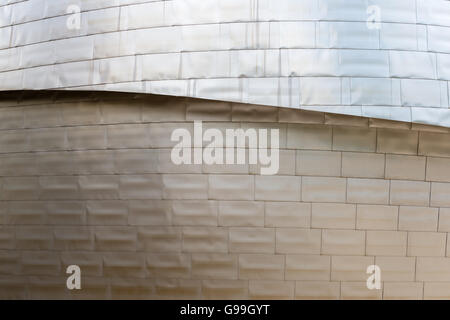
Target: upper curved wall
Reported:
point(310, 54)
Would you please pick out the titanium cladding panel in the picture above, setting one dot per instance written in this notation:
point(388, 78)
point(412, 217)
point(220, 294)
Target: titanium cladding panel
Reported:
point(387, 59)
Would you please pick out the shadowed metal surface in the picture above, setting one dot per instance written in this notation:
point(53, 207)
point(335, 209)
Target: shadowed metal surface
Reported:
point(306, 54)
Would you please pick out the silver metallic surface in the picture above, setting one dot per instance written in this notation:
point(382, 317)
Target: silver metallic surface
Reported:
point(324, 55)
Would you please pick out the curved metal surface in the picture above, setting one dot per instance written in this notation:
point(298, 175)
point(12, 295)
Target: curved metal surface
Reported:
point(375, 58)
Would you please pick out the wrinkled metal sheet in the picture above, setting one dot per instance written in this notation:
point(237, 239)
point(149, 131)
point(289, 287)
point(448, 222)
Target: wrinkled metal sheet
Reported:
point(323, 55)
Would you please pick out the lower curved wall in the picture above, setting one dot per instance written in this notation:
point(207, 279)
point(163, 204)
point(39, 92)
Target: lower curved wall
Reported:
point(86, 179)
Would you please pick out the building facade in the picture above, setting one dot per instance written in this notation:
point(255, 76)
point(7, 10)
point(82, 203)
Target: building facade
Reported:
point(93, 91)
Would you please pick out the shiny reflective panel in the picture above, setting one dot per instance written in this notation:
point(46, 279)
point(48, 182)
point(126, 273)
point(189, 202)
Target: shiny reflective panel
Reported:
point(373, 58)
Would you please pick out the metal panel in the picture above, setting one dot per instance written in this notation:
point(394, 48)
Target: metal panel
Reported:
point(430, 93)
point(320, 91)
point(435, 12)
point(371, 91)
point(347, 35)
point(140, 16)
point(413, 64)
point(398, 36)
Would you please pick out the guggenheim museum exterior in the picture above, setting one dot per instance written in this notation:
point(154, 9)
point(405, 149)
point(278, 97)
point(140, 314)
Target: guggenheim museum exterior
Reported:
point(224, 149)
